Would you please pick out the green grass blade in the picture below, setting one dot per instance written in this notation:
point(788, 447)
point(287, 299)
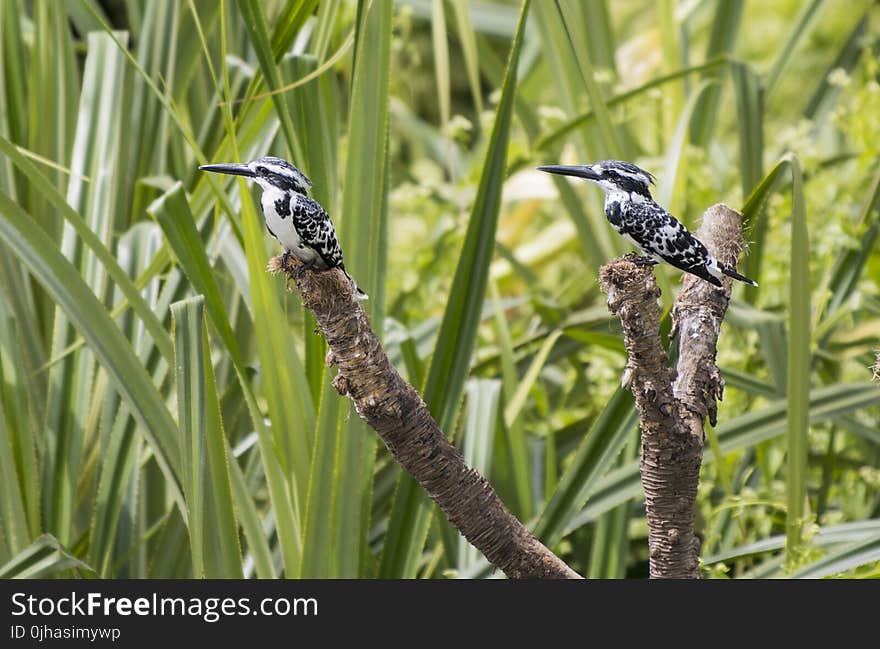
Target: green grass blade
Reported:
point(320, 555)
point(518, 401)
point(849, 266)
point(559, 135)
point(725, 29)
point(853, 556)
point(452, 356)
point(799, 362)
point(20, 499)
point(843, 533)
point(258, 29)
point(467, 39)
point(211, 522)
point(287, 24)
point(451, 360)
point(44, 557)
point(612, 145)
point(593, 458)
point(822, 99)
point(517, 440)
point(364, 237)
point(363, 231)
point(598, 34)
point(251, 525)
point(189, 367)
point(53, 80)
point(741, 432)
point(441, 69)
point(608, 556)
point(290, 403)
point(798, 31)
point(479, 436)
point(751, 210)
point(749, 93)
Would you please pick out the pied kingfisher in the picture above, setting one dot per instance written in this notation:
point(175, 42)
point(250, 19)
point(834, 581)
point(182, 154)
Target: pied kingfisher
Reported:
point(634, 214)
point(308, 233)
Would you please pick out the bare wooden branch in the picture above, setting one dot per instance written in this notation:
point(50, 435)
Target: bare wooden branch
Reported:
point(397, 413)
point(673, 405)
point(697, 315)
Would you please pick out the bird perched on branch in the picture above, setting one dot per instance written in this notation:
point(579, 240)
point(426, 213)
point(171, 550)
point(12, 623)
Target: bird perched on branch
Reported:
point(634, 214)
point(300, 224)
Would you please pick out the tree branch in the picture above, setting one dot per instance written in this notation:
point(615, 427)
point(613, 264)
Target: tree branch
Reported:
point(396, 412)
point(672, 405)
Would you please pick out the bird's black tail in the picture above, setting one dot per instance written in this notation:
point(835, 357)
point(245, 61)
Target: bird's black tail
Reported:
point(727, 270)
point(360, 294)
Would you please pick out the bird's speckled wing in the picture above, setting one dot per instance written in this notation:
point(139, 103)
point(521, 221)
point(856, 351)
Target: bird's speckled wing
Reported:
point(662, 236)
point(316, 231)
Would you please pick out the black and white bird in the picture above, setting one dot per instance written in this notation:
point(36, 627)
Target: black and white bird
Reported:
point(300, 224)
point(634, 214)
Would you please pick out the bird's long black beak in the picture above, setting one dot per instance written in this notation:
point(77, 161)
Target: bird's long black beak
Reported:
point(235, 169)
point(581, 171)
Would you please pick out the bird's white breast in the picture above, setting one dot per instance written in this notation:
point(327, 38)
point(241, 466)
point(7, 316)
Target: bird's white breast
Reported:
point(283, 228)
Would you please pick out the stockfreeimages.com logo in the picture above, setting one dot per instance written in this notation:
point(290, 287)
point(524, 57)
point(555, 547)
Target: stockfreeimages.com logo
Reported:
point(210, 609)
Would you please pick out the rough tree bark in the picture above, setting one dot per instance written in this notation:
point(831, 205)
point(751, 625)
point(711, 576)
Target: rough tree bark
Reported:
point(673, 404)
point(397, 413)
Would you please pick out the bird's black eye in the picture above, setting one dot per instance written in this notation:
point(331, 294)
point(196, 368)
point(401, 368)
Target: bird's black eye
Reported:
point(261, 171)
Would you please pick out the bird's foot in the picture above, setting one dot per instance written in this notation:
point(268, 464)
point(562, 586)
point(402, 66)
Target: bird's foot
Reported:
point(302, 270)
point(284, 261)
point(285, 258)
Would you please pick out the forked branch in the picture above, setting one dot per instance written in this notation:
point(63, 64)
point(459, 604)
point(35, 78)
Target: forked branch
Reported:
point(673, 404)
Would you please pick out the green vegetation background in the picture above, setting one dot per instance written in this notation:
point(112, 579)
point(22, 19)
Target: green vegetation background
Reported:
point(164, 407)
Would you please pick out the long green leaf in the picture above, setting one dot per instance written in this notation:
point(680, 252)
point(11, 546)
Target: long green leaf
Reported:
point(468, 42)
point(741, 432)
point(725, 29)
point(593, 458)
point(43, 558)
point(290, 406)
point(455, 343)
point(799, 362)
point(19, 500)
point(364, 237)
point(749, 94)
point(608, 133)
point(258, 29)
point(853, 556)
point(479, 435)
point(211, 522)
point(799, 29)
point(825, 536)
point(96, 153)
point(518, 442)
